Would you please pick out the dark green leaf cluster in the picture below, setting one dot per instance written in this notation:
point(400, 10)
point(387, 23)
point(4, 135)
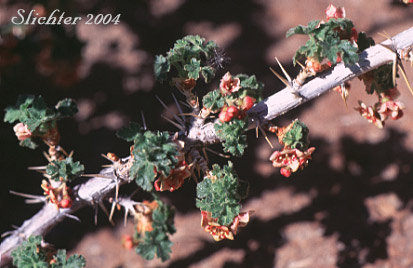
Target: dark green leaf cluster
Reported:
point(190, 56)
point(222, 195)
point(232, 135)
point(152, 152)
point(364, 42)
point(65, 169)
point(156, 242)
point(33, 112)
point(30, 254)
point(382, 79)
point(325, 42)
point(74, 261)
point(297, 136)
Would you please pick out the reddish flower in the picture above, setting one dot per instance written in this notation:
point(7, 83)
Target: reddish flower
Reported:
point(229, 85)
point(333, 12)
point(22, 131)
point(220, 232)
point(127, 242)
point(370, 114)
point(175, 179)
point(177, 175)
point(289, 160)
point(390, 108)
point(144, 219)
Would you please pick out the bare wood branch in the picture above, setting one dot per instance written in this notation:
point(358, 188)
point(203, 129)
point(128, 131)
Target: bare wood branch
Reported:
point(95, 189)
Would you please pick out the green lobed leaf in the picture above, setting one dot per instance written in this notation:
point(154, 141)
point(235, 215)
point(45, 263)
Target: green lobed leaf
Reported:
point(34, 112)
point(221, 197)
point(129, 132)
point(348, 52)
point(157, 243)
point(152, 150)
point(193, 68)
point(17, 112)
point(38, 113)
point(65, 169)
point(300, 29)
point(297, 136)
point(66, 108)
point(74, 261)
point(213, 100)
point(29, 143)
point(231, 133)
point(208, 73)
point(161, 68)
point(250, 86)
point(190, 56)
point(325, 41)
point(29, 254)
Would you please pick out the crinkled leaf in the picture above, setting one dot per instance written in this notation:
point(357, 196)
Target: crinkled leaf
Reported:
point(190, 56)
point(161, 68)
point(325, 42)
point(65, 169)
point(213, 100)
point(193, 68)
point(297, 136)
point(300, 29)
point(66, 108)
point(234, 141)
point(156, 242)
point(38, 113)
point(208, 73)
point(129, 132)
point(74, 261)
point(29, 254)
point(17, 112)
point(221, 196)
point(250, 86)
point(33, 112)
point(152, 150)
point(29, 143)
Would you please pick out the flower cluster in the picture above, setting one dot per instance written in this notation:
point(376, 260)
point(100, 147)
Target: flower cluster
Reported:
point(235, 108)
point(313, 64)
point(386, 107)
point(61, 195)
point(220, 232)
point(234, 97)
point(296, 152)
point(289, 160)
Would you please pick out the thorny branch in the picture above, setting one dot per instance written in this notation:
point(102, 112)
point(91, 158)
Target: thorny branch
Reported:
point(96, 189)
